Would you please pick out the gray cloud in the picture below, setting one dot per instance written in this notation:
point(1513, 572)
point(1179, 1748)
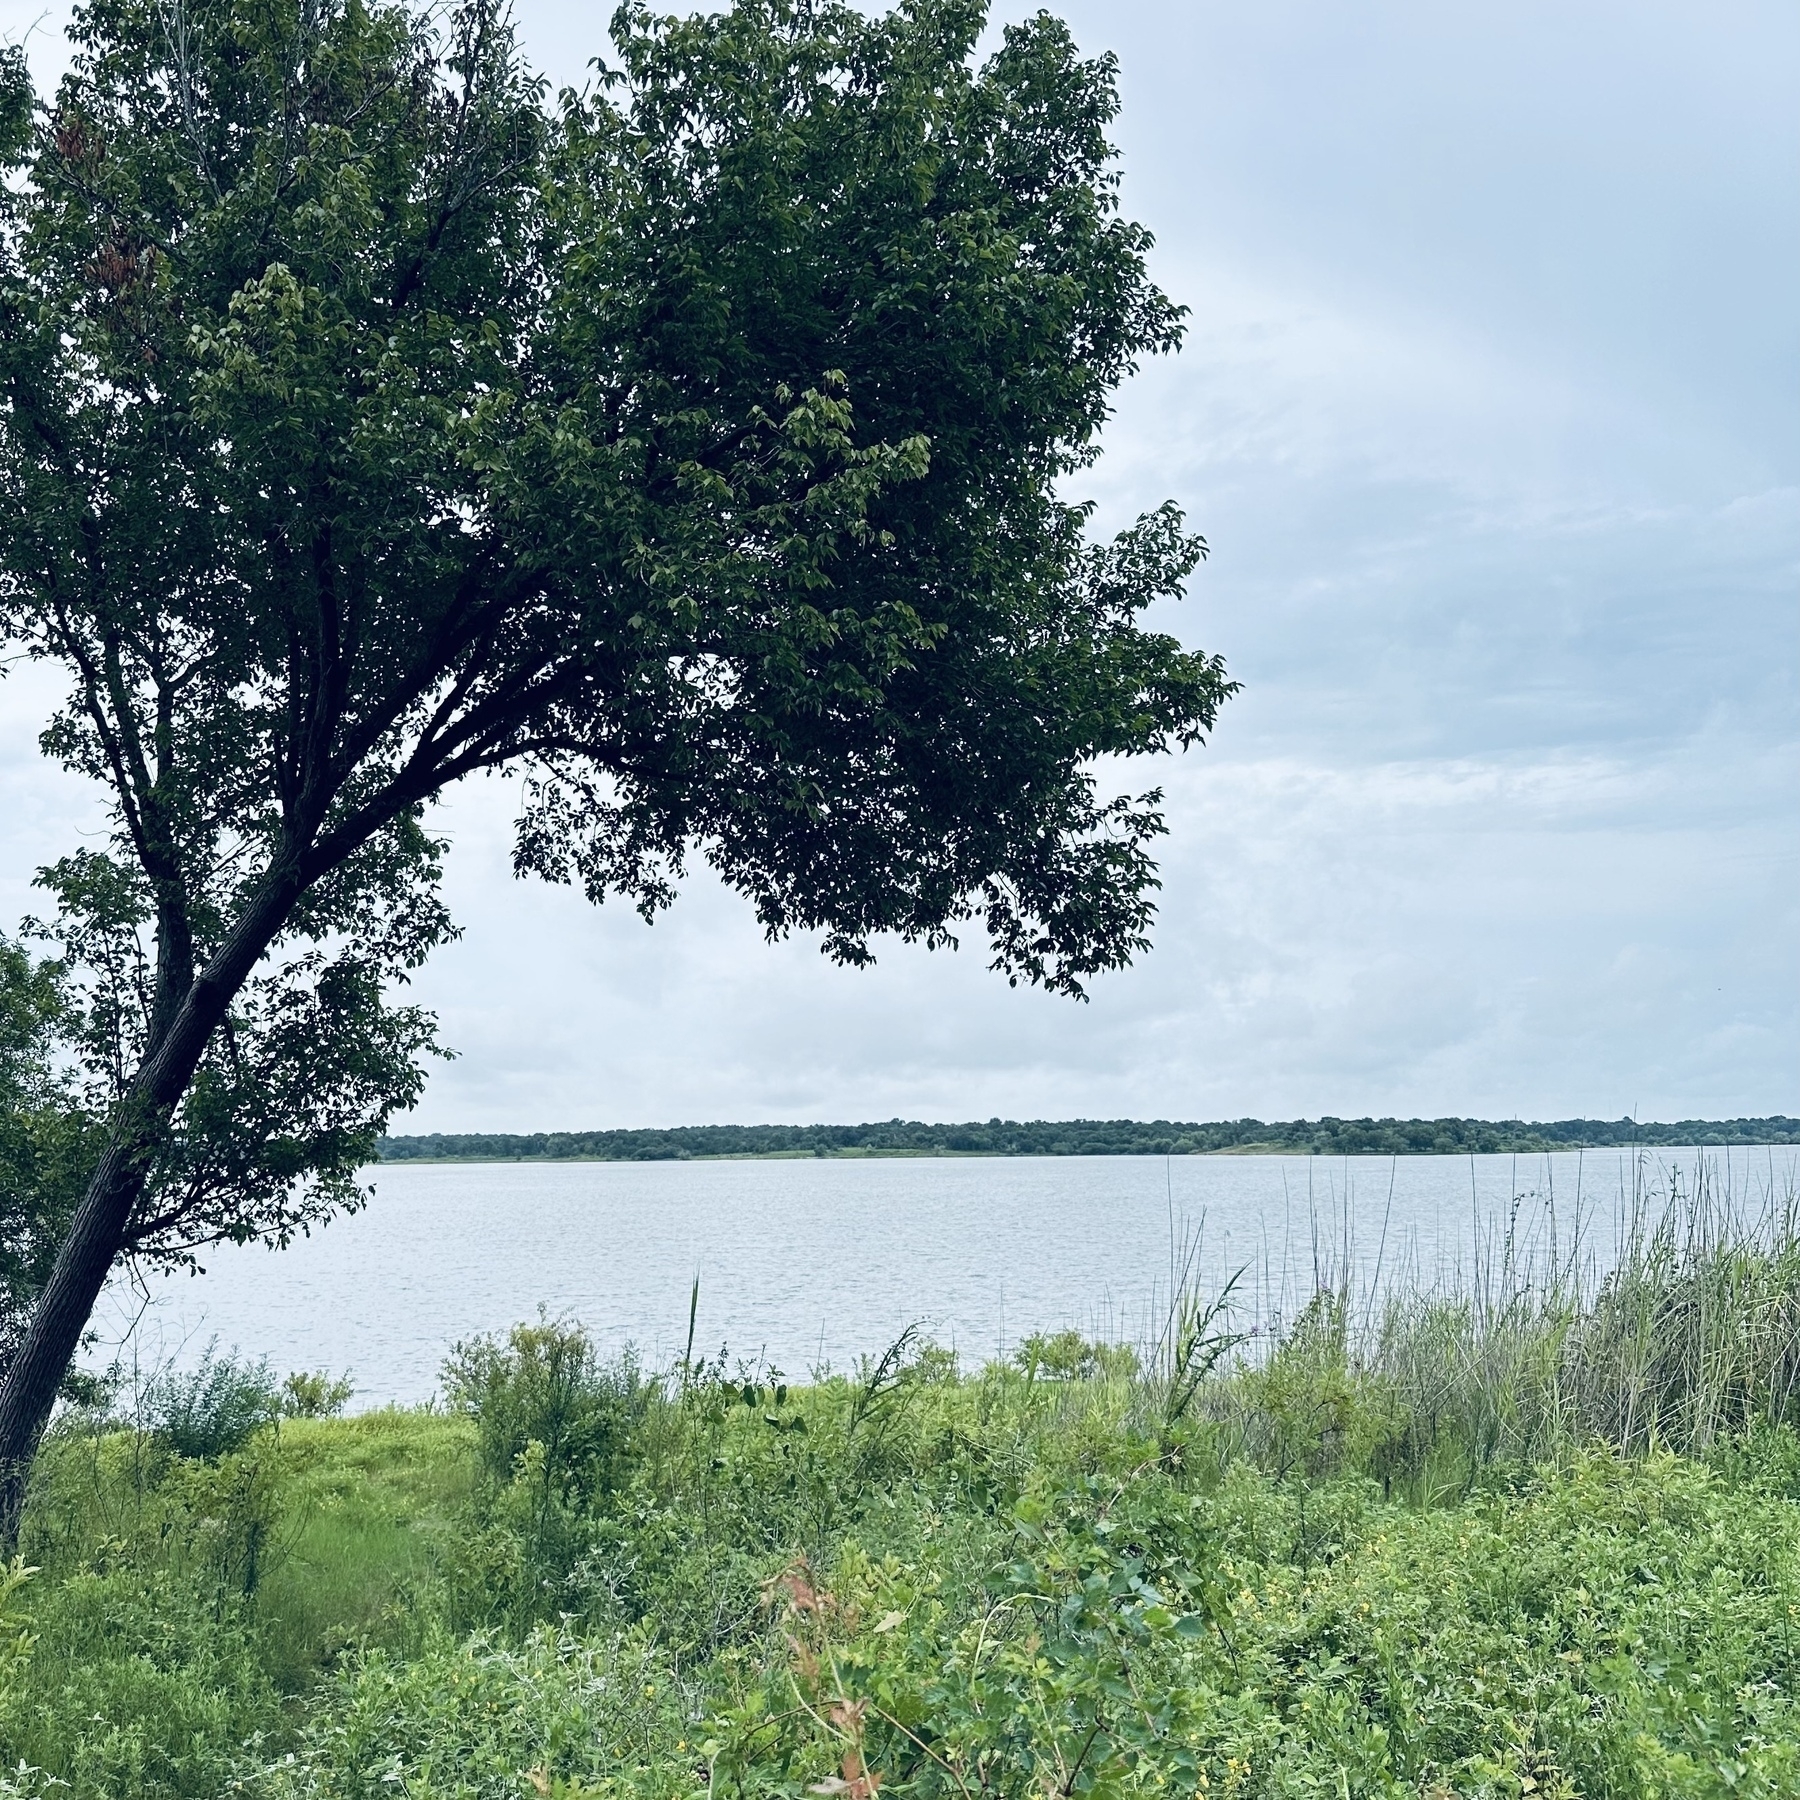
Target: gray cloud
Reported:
point(1487, 410)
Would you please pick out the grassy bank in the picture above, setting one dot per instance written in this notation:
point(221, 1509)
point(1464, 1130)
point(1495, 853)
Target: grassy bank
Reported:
point(1523, 1541)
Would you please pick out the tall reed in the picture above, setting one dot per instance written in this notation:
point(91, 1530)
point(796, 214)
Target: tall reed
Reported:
point(1685, 1331)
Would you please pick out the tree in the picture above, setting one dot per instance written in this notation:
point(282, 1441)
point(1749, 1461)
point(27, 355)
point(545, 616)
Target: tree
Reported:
point(690, 449)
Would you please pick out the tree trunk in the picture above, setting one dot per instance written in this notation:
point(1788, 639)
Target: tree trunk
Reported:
point(86, 1256)
point(83, 1263)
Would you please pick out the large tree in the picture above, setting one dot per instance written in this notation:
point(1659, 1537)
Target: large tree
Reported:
point(693, 448)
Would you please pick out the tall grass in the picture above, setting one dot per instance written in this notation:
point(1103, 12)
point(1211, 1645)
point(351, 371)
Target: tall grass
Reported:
point(1685, 1331)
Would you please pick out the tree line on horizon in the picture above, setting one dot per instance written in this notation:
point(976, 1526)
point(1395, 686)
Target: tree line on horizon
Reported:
point(1090, 1137)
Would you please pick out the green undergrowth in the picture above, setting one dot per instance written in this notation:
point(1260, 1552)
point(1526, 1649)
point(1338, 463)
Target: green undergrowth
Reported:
point(1537, 1538)
point(1069, 1576)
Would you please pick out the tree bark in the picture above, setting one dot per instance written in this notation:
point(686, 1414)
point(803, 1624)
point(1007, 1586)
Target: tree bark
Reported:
point(97, 1232)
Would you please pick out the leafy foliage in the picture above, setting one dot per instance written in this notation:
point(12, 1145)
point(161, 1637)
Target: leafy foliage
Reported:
point(46, 1138)
point(914, 1582)
point(285, 1108)
point(554, 1426)
point(314, 1394)
point(142, 1684)
point(212, 1409)
point(546, 1384)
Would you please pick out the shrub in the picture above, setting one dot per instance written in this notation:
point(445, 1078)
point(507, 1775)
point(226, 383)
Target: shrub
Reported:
point(1613, 1631)
point(306, 1395)
point(1068, 1356)
point(546, 1384)
point(16, 1638)
point(482, 1720)
point(214, 1408)
point(553, 1424)
point(1310, 1411)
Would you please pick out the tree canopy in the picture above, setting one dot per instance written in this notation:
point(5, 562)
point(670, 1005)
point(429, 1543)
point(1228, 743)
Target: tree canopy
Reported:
point(694, 448)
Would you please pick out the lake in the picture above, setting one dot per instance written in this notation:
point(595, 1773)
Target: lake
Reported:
point(812, 1262)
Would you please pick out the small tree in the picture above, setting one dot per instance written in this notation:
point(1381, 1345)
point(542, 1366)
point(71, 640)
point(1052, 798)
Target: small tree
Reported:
point(689, 448)
point(47, 1138)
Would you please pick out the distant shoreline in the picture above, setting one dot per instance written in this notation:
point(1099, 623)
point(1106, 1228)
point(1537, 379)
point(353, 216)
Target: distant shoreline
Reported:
point(1090, 1137)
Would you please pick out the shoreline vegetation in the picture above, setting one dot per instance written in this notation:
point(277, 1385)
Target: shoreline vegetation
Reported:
point(1535, 1537)
point(1091, 1137)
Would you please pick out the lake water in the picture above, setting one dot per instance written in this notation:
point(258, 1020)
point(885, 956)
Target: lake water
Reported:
point(811, 1262)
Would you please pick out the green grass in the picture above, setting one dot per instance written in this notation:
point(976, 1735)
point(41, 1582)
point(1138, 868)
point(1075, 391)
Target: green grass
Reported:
point(1540, 1538)
point(369, 1504)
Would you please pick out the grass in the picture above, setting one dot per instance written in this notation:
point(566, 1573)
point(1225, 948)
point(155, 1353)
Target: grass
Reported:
point(372, 1502)
point(1688, 1332)
point(1540, 1536)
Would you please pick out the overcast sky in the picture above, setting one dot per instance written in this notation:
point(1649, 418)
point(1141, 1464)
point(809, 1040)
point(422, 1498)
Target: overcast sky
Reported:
point(1490, 411)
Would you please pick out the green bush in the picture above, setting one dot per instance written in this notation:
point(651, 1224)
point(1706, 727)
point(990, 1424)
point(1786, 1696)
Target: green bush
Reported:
point(546, 1384)
point(119, 1496)
point(480, 1719)
point(1618, 1630)
point(553, 1431)
point(16, 1637)
point(212, 1409)
point(314, 1395)
point(1068, 1356)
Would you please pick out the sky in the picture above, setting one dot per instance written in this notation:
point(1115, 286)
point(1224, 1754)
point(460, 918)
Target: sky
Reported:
point(1489, 410)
